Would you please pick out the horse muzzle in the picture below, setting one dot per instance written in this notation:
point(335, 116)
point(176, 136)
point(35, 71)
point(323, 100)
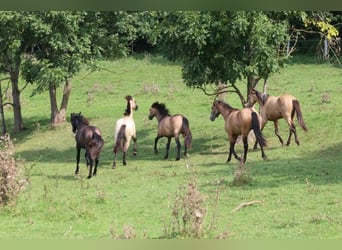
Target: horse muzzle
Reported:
point(212, 118)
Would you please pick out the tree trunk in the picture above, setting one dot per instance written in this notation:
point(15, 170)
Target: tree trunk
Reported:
point(53, 103)
point(59, 116)
point(65, 101)
point(252, 81)
point(2, 114)
point(18, 120)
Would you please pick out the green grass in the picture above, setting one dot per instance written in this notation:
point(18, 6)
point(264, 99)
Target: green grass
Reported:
point(299, 186)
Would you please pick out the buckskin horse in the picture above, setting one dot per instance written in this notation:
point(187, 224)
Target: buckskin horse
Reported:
point(239, 122)
point(89, 138)
point(273, 108)
point(170, 126)
point(125, 131)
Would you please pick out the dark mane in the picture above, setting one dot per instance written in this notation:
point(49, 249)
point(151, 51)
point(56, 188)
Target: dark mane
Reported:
point(161, 108)
point(226, 105)
point(261, 96)
point(80, 117)
point(128, 109)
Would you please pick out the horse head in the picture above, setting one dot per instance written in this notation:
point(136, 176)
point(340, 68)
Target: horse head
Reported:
point(214, 110)
point(158, 108)
point(131, 105)
point(77, 120)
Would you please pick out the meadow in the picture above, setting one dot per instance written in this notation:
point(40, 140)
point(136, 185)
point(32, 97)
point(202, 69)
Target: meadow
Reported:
point(297, 190)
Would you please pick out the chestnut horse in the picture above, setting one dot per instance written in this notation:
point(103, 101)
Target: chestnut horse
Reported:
point(89, 138)
point(125, 131)
point(239, 122)
point(171, 126)
point(273, 108)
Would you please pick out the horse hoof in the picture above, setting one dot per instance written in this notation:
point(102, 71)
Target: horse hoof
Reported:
point(114, 166)
point(89, 176)
point(155, 152)
point(134, 153)
point(178, 158)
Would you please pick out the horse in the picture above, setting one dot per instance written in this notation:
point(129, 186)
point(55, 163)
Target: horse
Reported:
point(125, 131)
point(273, 108)
point(239, 122)
point(89, 138)
point(171, 126)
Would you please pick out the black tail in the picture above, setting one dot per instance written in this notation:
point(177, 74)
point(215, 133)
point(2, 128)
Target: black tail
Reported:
point(96, 145)
point(256, 128)
point(296, 107)
point(187, 133)
point(120, 138)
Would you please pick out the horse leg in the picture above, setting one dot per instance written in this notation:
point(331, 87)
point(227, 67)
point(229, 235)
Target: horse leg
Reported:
point(91, 162)
point(178, 147)
point(124, 158)
point(245, 148)
point(134, 145)
point(232, 141)
point(87, 160)
point(276, 131)
point(155, 145)
point(78, 151)
point(115, 151)
point(292, 130)
point(95, 168)
point(185, 149)
point(167, 147)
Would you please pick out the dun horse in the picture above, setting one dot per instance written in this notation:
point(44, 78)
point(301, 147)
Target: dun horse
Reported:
point(273, 108)
point(239, 122)
point(170, 126)
point(89, 138)
point(124, 131)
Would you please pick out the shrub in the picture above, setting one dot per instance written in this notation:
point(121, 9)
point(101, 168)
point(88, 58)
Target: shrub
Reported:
point(188, 213)
point(10, 181)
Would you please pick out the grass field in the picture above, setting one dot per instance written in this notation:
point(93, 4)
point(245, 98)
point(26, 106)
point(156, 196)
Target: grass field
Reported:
point(298, 188)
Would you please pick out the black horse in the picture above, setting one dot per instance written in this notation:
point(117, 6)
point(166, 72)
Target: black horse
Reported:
point(89, 138)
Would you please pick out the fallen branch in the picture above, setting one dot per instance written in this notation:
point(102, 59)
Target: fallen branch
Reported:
point(245, 204)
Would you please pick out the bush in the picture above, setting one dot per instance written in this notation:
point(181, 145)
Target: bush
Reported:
point(10, 182)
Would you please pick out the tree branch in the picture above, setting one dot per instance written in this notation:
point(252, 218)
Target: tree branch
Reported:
point(245, 204)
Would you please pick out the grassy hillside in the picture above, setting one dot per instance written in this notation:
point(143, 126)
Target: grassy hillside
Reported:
point(298, 188)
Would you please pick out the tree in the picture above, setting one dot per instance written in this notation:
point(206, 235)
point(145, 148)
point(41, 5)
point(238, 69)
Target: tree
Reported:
point(48, 48)
point(223, 47)
point(69, 41)
point(14, 30)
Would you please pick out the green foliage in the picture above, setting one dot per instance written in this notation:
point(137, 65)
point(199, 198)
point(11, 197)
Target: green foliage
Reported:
point(225, 46)
point(299, 187)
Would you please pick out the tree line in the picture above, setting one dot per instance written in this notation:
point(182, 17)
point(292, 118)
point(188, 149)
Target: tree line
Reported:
point(48, 48)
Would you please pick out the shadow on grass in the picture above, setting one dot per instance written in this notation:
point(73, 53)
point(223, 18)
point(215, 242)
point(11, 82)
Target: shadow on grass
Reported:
point(321, 167)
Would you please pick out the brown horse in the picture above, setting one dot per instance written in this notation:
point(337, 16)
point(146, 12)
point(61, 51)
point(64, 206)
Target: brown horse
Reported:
point(124, 131)
point(239, 122)
point(273, 108)
point(170, 126)
point(89, 138)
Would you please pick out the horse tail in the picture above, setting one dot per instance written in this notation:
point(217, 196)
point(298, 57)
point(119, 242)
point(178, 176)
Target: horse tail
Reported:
point(257, 131)
point(296, 107)
point(95, 146)
point(186, 133)
point(120, 137)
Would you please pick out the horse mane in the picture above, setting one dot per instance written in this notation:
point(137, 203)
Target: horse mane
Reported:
point(261, 96)
point(84, 120)
point(81, 118)
point(161, 108)
point(226, 105)
point(128, 108)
